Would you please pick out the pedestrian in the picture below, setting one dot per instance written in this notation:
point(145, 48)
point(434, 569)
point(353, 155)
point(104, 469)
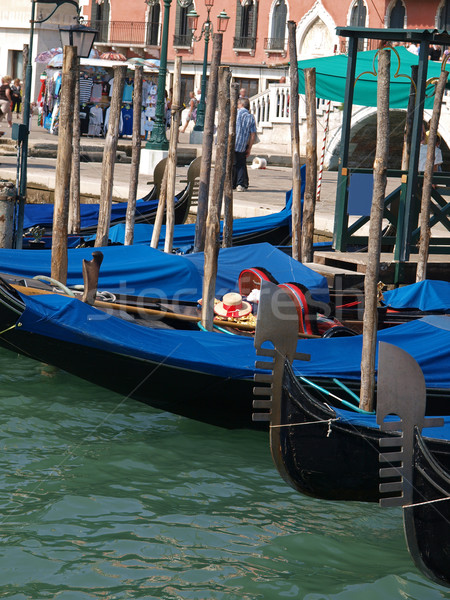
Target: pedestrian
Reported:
point(437, 154)
point(192, 111)
point(16, 97)
point(198, 95)
point(6, 100)
point(243, 93)
point(245, 136)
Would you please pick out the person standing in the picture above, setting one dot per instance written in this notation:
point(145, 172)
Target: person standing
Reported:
point(5, 100)
point(243, 93)
point(16, 97)
point(245, 136)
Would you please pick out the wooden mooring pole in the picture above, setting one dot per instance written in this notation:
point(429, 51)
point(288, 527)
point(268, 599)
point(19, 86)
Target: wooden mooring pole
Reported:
point(109, 157)
point(135, 156)
point(370, 319)
point(309, 200)
point(213, 219)
point(295, 145)
point(63, 166)
point(424, 218)
point(227, 238)
point(172, 157)
point(74, 202)
point(208, 135)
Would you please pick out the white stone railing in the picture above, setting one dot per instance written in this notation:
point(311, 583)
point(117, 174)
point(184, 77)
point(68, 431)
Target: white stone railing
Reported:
point(272, 106)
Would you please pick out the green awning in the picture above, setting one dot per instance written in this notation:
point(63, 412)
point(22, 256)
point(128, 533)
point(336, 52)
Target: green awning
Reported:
point(331, 74)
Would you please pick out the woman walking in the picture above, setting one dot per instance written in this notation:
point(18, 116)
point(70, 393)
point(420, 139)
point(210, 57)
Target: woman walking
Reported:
point(192, 114)
point(5, 100)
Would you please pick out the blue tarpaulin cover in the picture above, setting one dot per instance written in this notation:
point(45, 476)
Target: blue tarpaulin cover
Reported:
point(141, 270)
point(184, 234)
point(427, 340)
point(359, 419)
point(425, 295)
point(42, 214)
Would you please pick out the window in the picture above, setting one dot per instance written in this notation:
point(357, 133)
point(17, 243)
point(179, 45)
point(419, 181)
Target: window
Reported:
point(100, 19)
point(397, 16)
point(153, 25)
point(16, 64)
point(246, 22)
point(183, 35)
point(444, 16)
point(278, 29)
point(187, 85)
point(251, 85)
point(358, 19)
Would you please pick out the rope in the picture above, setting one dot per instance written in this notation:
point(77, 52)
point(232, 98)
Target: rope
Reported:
point(426, 502)
point(8, 329)
point(322, 156)
point(304, 423)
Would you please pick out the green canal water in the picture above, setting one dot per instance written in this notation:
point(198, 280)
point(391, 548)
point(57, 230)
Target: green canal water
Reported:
point(103, 497)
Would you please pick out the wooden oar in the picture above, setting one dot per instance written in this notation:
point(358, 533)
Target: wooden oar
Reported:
point(27, 291)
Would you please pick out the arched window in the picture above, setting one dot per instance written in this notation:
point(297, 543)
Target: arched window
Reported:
point(278, 29)
point(358, 19)
point(183, 35)
point(443, 21)
point(397, 16)
point(246, 22)
point(154, 14)
point(359, 14)
point(100, 19)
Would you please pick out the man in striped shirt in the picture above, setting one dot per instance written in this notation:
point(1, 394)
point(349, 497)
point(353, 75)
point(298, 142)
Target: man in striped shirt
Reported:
point(245, 136)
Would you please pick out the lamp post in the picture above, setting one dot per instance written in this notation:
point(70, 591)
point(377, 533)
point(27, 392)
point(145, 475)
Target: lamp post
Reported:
point(206, 31)
point(158, 138)
point(79, 35)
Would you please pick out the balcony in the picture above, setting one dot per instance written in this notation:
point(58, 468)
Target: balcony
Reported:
point(126, 33)
point(182, 41)
point(246, 44)
point(274, 44)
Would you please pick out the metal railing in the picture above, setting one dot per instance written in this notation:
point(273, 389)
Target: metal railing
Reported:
point(244, 43)
point(182, 41)
point(126, 32)
point(274, 43)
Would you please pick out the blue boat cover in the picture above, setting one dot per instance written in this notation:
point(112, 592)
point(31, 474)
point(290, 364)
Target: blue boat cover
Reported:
point(42, 214)
point(426, 339)
point(369, 420)
point(141, 270)
point(425, 295)
point(73, 321)
point(184, 235)
point(70, 320)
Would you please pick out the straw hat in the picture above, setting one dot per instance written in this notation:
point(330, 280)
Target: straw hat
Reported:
point(232, 306)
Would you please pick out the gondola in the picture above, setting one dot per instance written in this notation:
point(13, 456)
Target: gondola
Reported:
point(41, 215)
point(167, 362)
point(331, 452)
point(426, 518)
point(412, 474)
point(275, 229)
point(398, 305)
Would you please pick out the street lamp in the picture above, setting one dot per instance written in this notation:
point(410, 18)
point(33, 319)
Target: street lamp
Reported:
point(158, 138)
point(206, 31)
point(22, 132)
point(80, 36)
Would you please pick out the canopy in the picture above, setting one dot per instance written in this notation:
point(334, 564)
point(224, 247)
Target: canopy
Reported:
point(331, 76)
